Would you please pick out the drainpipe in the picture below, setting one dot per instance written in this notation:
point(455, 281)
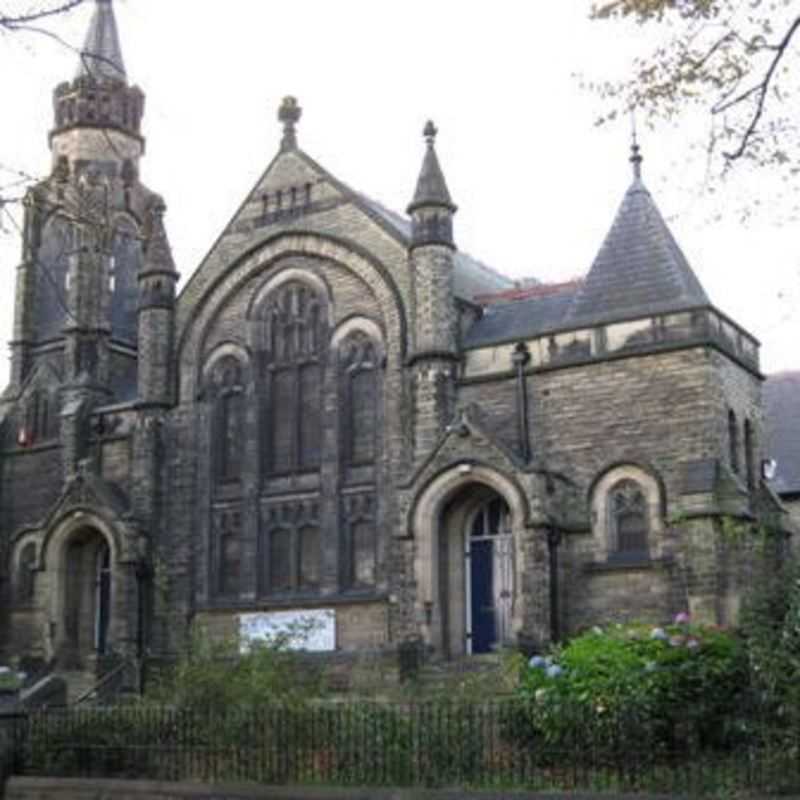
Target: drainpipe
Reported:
point(520, 359)
point(553, 542)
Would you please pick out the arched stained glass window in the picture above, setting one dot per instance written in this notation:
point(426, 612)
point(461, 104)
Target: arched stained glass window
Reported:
point(628, 519)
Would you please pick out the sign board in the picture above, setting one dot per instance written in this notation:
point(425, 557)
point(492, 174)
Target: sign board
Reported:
point(312, 630)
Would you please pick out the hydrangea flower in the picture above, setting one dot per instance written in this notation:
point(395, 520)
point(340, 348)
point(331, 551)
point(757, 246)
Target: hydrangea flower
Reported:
point(537, 662)
point(660, 634)
point(693, 644)
point(650, 666)
point(553, 671)
point(682, 618)
point(540, 695)
point(597, 630)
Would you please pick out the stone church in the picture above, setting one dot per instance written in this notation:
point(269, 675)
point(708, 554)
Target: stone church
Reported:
point(340, 412)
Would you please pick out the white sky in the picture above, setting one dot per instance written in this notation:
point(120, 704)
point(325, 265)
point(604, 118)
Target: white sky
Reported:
point(536, 182)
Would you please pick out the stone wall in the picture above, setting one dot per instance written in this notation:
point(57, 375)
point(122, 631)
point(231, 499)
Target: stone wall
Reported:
point(64, 789)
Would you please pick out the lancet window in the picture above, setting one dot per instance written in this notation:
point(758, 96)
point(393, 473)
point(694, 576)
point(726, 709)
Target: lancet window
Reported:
point(295, 325)
point(228, 386)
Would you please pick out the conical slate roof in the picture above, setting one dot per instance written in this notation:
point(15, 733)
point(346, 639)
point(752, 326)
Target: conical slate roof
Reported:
point(101, 55)
point(640, 268)
point(431, 185)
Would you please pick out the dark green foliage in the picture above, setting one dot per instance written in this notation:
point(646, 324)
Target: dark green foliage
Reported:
point(659, 685)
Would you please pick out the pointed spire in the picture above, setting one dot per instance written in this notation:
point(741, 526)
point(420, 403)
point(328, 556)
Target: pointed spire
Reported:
point(431, 185)
point(640, 268)
point(101, 55)
point(289, 114)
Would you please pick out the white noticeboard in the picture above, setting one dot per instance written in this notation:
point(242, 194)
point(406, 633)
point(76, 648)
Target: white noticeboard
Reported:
point(313, 630)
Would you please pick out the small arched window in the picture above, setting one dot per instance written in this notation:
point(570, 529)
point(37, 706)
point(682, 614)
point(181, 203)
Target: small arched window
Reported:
point(733, 440)
point(25, 578)
point(228, 420)
point(359, 397)
point(628, 520)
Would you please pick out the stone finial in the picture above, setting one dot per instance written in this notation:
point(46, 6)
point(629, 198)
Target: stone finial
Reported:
point(636, 155)
point(430, 132)
point(289, 114)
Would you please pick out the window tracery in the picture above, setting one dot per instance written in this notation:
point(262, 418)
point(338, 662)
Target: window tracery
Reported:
point(295, 344)
point(628, 519)
point(291, 549)
point(359, 362)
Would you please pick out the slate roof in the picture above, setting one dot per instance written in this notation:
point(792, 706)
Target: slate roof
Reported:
point(101, 55)
point(431, 185)
point(782, 411)
point(471, 278)
point(522, 313)
point(640, 269)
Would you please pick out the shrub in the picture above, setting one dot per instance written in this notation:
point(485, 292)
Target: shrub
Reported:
point(653, 686)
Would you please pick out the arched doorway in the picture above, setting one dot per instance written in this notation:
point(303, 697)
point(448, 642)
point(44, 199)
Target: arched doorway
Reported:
point(475, 567)
point(87, 597)
point(489, 576)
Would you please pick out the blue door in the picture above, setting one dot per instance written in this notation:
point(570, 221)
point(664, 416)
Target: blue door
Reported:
point(489, 577)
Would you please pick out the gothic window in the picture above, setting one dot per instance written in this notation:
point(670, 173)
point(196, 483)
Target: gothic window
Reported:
point(295, 340)
point(291, 550)
point(25, 574)
point(228, 423)
point(229, 548)
point(360, 543)
point(733, 440)
point(358, 358)
point(52, 269)
point(628, 519)
point(126, 247)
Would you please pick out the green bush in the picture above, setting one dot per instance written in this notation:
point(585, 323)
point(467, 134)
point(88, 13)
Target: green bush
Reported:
point(659, 686)
point(220, 676)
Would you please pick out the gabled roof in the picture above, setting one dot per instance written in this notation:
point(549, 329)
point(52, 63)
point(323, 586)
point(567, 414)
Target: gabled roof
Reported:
point(640, 269)
point(101, 55)
point(782, 412)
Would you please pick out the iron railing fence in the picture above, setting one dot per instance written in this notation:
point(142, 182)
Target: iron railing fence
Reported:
point(488, 745)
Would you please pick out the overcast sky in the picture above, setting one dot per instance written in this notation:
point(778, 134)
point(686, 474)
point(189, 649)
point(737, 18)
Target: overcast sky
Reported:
point(536, 182)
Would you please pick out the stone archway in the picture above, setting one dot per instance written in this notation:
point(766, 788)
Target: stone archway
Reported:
point(447, 537)
point(86, 613)
point(92, 596)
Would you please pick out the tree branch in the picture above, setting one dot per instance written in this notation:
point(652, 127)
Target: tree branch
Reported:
point(761, 90)
point(11, 22)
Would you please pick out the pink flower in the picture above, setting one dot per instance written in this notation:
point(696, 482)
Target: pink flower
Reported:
point(682, 618)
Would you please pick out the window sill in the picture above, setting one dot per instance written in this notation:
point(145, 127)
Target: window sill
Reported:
point(627, 564)
point(293, 601)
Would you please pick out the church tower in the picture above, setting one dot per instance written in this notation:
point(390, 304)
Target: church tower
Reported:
point(432, 261)
point(96, 262)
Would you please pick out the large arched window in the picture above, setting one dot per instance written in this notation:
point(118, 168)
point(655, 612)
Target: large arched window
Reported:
point(628, 520)
point(228, 420)
point(295, 342)
point(359, 399)
point(126, 248)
